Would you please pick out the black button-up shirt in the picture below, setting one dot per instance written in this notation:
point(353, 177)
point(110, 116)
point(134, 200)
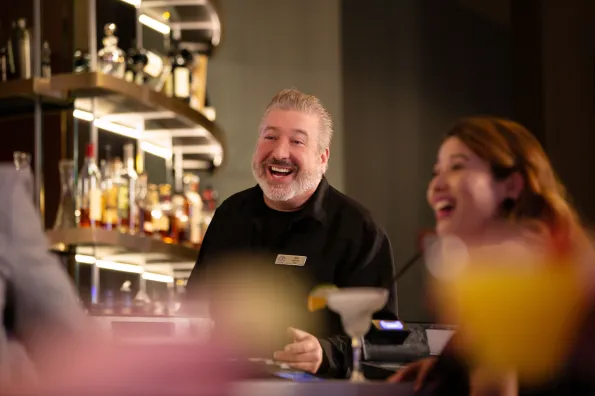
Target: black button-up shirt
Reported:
point(341, 244)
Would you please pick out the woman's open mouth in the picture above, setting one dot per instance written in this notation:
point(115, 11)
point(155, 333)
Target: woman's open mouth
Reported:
point(444, 209)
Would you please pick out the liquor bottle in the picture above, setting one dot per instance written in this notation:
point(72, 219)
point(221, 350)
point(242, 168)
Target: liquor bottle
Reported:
point(180, 218)
point(82, 62)
point(3, 64)
point(46, 60)
point(151, 204)
point(180, 69)
point(129, 73)
point(126, 184)
point(165, 222)
point(19, 50)
point(167, 79)
point(110, 193)
point(111, 59)
point(89, 210)
point(142, 192)
point(140, 60)
point(195, 209)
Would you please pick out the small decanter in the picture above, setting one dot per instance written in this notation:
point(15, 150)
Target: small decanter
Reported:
point(22, 160)
point(65, 217)
point(111, 59)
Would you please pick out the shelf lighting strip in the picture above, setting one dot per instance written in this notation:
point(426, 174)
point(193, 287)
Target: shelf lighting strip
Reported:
point(135, 3)
point(154, 24)
point(154, 149)
point(121, 267)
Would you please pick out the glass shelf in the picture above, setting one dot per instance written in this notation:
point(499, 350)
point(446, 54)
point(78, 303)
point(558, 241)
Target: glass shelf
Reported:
point(163, 121)
point(118, 243)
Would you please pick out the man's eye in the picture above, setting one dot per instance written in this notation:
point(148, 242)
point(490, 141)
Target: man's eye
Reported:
point(457, 167)
point(269, 137)
point(298, 142)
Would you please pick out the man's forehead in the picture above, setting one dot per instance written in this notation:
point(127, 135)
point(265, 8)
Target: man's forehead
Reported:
point(291, 120)
point(273, 128)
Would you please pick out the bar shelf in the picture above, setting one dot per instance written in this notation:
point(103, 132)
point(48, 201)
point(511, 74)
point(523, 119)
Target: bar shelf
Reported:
point(62, 240)
point(17, 97)
point(166, 121)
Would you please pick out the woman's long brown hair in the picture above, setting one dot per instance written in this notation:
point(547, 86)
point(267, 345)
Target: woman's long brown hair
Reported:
point(509, 147)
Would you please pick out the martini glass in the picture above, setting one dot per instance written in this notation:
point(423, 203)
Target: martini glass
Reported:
point(356, 305)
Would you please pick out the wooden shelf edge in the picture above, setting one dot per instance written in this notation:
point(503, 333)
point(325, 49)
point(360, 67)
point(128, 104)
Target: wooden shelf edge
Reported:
point(61, 240)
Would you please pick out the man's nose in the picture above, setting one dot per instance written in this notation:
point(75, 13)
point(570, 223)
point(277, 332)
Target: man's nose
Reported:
point(281, 149)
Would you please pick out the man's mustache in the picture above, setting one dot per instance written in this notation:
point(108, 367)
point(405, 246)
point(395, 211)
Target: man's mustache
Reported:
point(276, 162)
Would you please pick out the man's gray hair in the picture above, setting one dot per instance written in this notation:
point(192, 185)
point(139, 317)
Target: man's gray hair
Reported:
point(293, 99)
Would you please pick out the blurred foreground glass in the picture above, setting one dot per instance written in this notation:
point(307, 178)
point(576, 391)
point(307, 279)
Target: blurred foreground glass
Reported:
point(65, 217)
point(520, 317)
point(356, 306)
point(22, 160)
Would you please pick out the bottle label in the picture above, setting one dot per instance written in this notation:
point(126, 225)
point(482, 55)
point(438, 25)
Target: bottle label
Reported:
point(95, 211)
point(110, 217)
point(182, 82)
point(123, 202)
point(111, 198)
point(139, 79)
point(129, 76)
point(163, 223)
point(148, 227)
point(168, 88)
point(195, 224)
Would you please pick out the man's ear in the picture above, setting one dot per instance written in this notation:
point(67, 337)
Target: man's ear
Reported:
point(324, 156)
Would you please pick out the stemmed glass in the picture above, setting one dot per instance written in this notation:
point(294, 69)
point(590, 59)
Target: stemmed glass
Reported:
point(356, 306)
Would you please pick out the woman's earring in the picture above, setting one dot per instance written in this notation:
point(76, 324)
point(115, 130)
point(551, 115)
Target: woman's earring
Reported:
point(508, 204)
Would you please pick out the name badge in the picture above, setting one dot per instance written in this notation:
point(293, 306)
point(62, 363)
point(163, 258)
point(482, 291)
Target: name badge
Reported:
point(286, 259)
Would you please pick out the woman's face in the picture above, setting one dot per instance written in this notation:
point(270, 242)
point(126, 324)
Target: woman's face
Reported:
point(463, 194)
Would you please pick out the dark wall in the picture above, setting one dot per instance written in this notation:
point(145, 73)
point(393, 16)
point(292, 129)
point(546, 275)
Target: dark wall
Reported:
point(410, 69)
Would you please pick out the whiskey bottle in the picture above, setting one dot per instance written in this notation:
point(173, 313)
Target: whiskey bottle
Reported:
point(179, 231)
point(165, 222)
point(151, 205)
point(89, 200)
point(195, 209)
point(110, 194)
point(142, 194)
point(126, 186)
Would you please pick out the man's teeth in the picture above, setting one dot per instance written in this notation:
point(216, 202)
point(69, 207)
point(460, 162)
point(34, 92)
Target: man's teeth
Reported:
point(280, 170)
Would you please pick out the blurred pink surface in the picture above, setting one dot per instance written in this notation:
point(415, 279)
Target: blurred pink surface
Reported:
point(110, 369)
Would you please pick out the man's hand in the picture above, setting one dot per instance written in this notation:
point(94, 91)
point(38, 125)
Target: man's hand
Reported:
point(305, 353)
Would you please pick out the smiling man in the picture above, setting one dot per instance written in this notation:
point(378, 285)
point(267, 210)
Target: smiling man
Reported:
point(312, 233)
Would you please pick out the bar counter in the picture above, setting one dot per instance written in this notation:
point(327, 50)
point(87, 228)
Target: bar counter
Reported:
point(263, 377)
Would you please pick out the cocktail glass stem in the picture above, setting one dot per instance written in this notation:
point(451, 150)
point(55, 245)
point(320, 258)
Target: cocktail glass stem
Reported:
point(356, 374)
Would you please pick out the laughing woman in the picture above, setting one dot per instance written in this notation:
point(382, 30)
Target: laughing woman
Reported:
point(493, 183)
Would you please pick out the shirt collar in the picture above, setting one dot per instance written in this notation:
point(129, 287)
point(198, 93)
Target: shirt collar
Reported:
point(313, 208)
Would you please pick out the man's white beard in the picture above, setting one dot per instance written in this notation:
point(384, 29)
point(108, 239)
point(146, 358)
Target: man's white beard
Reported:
point(280, 192)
